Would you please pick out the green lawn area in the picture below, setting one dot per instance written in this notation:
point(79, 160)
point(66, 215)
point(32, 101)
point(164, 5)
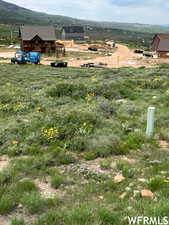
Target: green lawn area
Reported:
point(68, 132)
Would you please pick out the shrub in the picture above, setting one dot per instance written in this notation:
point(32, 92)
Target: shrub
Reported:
point(77, 143)
point(106, 89)
point(156, 183)
point(77, 123)
point(90, 155)
point(57, 180)
point(79, 216)
point(74, 90)
point(6, 177)
point(133, 141)
point(103, 145)
point(126, 169)
point(7, 204)
point(106, 164)
point(107, 107)
point(66, 157)
point(108, 217)
point(160, 209)
point(25, 186)
point(109, 185)
point(34, 203)
point(54, 217)
point(17, 221)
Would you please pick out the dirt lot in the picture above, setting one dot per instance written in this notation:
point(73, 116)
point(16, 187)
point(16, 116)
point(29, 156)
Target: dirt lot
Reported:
point(120, 57)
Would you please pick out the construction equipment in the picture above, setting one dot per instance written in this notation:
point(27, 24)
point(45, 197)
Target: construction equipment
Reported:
point(24, 58)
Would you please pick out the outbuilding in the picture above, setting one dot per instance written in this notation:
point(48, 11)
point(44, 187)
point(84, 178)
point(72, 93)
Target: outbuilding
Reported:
point(73, 33)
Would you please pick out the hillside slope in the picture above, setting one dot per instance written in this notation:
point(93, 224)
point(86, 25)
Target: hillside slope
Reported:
point(13, 14)
point(80, 138)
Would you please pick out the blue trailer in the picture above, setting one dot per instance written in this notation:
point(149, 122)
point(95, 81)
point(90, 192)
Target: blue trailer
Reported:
point(24, 58)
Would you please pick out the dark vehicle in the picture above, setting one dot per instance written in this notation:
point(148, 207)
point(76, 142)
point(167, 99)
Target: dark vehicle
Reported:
point(59, 64)
point(93, 65)
point(148, 55)
point(93, 49)
point(138, 51)
point(24, 58)
point(88, 65)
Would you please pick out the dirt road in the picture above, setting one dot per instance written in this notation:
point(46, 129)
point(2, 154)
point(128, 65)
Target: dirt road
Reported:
point(122, 57)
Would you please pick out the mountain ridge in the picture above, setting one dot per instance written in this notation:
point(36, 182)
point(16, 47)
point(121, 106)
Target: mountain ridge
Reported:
point(13, 14)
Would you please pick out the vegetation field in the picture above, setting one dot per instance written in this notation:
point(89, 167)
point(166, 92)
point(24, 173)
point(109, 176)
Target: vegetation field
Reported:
point(66, 134)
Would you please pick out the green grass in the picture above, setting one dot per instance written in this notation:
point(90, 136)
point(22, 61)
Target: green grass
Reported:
point(57, 180)
point(105, 164)
point(18, 221)
point(73, 129)
point(34, 203)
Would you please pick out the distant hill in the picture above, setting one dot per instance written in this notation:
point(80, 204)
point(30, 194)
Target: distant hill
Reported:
point(13, 14)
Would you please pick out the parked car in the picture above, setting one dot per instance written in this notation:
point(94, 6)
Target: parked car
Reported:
point(138, 51)
point(93, 49)
point(146, 54)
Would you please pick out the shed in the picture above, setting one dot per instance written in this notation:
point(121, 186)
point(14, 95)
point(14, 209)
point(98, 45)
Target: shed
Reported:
point(37, 38)
point(160, 45)
point(73, 33)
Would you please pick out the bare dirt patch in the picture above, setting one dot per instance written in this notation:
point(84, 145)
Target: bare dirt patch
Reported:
point(46, 190)
point(4, 162)
point(164, 144)
point(4, 220)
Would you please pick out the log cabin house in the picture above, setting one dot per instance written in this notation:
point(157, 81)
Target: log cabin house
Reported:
point(37, 38)
point(160, 45)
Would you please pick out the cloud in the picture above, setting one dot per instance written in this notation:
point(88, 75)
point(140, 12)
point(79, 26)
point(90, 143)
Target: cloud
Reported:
point(143, 11)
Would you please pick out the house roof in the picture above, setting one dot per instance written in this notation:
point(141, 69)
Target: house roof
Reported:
point(46, 33)
point(163, 36)
point(163, 42)
point(163, 45)
point(73, 29)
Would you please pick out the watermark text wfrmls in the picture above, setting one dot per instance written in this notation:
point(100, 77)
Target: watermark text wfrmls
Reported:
point(139, 220)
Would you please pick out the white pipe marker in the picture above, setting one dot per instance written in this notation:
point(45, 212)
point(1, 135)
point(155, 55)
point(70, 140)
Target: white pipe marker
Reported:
point(150, 122)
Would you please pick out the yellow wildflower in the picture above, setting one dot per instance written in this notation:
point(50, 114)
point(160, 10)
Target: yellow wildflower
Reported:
point(39, 109)
point(89, 96)
point(94, 78)
point(15, 142)
point(50, 133)
point(157, 79)
point(166, 181)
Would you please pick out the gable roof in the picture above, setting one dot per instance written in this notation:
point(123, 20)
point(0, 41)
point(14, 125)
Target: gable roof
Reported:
point(161, 42)
point(46, 33)
point(73, 29)
point(163, 36)
point(163, 45)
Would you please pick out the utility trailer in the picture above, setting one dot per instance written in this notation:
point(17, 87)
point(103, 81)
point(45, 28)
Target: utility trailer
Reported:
point(59, 64)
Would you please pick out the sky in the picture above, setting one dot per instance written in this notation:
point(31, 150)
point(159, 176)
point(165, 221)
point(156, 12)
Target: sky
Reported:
point(133, 11)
